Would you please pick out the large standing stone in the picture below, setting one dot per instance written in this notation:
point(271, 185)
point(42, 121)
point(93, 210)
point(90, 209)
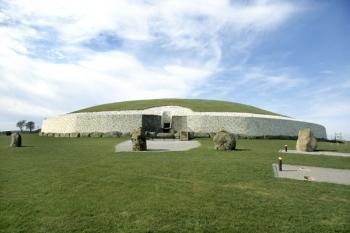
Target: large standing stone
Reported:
point(224, 140)
point(306, 140)
point(16, 140)
point(138, 138)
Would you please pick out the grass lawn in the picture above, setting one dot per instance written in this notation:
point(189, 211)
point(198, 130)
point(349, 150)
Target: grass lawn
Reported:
point(80, 185)
point(196, 105)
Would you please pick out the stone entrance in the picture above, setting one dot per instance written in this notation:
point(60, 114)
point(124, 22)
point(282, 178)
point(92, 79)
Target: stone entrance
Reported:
point(166, 121)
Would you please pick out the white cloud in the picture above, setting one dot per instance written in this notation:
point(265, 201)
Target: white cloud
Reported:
point(45, 69)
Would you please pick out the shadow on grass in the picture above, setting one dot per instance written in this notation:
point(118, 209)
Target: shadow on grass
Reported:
point(242, 149)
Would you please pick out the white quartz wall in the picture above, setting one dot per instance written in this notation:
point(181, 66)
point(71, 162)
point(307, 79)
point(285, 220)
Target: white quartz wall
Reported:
point(252, 126)
point(125, 121)
point(60, 124)
point(92, 122)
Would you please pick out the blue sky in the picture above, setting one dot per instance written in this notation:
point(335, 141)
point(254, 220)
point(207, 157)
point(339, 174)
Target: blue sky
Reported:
point(290, 57)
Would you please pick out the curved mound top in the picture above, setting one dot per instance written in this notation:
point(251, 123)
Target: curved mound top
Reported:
point(197, 105)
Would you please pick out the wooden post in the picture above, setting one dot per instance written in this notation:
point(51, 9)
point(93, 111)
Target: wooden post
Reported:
point(280, 163)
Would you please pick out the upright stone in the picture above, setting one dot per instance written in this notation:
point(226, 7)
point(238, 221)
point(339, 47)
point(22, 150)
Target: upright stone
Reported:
point(16, 140)
point(184, 136)
point(224, 140)
point(306, 140)
point(138, 138)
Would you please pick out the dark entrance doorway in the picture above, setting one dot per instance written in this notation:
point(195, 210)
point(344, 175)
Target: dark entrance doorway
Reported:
point(166, 127)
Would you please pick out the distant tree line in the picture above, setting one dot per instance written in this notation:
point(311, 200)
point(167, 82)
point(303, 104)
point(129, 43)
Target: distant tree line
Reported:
point(29, 125)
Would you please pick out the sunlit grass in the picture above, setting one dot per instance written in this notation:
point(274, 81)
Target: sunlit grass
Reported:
point(81, 185)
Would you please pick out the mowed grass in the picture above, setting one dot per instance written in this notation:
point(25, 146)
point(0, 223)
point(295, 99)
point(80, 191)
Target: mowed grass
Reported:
point(81, 185)
point(197, 105)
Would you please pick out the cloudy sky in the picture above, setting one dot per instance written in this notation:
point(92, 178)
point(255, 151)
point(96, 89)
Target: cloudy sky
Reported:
point(290, 57)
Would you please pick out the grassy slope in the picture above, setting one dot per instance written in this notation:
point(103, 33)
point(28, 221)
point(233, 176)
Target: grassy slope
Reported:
point(80, 185)
point(194, 104)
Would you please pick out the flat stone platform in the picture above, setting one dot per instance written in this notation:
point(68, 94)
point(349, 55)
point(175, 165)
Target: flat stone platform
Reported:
point(318, 174)
point(329, 153)
point(160, 145)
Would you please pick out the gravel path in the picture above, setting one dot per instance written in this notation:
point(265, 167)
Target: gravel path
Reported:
point(330, 153)
point(160, 145)
point(318, 174)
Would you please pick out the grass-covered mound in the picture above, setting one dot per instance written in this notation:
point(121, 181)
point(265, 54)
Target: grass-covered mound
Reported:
point(81, 185)
point(196, 105)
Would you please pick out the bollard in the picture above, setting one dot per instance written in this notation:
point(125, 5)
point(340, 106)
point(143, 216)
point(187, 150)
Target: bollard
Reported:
point(280, 163)
point(285, 148)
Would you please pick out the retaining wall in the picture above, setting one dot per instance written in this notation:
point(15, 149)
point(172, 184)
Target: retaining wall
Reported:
point(205, 122)
point(252, 126)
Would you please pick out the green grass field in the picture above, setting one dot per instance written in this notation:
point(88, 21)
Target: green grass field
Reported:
point(81, 185)
point(196, 105)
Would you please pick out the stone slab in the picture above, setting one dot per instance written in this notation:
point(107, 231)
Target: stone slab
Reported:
point(160, 145)
point(328, 153)
point(317, 174)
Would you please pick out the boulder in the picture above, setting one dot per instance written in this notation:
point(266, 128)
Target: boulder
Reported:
point(306, 140)
point(138, 139)
point(16, 140)
point(224, 140)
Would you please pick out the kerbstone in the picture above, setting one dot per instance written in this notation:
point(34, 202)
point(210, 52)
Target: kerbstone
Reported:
point(74, 135)
point(114, 134)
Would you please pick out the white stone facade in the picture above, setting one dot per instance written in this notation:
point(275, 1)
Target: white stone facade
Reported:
point(125, 121)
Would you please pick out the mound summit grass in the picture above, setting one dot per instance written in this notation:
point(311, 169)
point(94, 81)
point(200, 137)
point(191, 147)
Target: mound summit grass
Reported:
point(197, 105)
point(81, 185)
